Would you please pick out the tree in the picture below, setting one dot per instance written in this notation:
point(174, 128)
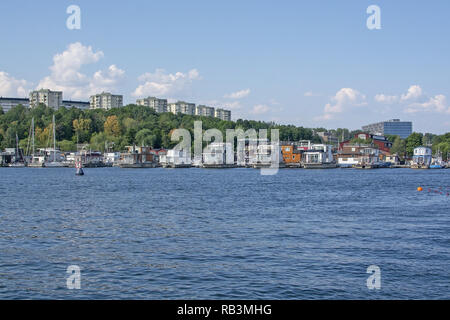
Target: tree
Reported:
point(146, 138)
point(82, 129)
point(112, 126)
point(398, 147)
point(412, 142)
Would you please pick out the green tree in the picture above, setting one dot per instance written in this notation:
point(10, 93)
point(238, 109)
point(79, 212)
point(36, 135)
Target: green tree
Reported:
point(399, 146)
point(412, 142)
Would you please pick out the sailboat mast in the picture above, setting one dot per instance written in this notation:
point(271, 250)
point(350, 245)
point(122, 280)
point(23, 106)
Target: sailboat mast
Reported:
point(54, 140)
point(32, 134)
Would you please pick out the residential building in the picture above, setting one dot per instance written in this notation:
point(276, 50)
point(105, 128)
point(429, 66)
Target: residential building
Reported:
point(52, 99)
point(218, 154)
point(223, 114)
point(204, 111)
point(422, 158)
point(182, 107)
point(159, 105)
point(83, 105)
point(106, 100)
point(381, 142)
point(8, 103)
point(390, 127)
point(327, 137)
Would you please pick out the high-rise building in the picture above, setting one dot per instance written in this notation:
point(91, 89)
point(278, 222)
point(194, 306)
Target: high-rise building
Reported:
point(182, 107)
point(204, 111)
point(52, 99)
point(403, 129)
point(106, 100)
point(159, 105)
point(223, 114)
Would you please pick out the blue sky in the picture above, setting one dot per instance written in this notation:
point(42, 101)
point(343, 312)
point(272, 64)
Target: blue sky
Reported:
point(310, 63)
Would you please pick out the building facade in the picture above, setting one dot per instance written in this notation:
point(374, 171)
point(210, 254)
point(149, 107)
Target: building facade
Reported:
point(159, 105)
point(8, 103)
point(204, 111)
point(52, 99)
point(403, 129)
point(182, 107)
point(223, 114)
point(83, 105)
point(106, 100)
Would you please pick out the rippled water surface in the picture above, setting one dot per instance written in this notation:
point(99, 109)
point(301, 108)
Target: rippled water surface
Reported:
point(216, 234)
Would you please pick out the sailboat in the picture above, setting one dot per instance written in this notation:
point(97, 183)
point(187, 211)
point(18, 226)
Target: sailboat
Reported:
point(18, 159)
point(36, 161)
point(54, 163)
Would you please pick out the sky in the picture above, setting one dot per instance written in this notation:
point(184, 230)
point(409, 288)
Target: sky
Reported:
point(306, 63)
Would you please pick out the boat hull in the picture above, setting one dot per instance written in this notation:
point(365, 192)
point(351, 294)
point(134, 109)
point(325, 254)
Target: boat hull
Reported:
point(319, 165)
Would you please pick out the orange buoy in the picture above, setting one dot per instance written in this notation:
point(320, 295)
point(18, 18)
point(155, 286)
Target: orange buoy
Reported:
point(419, 189)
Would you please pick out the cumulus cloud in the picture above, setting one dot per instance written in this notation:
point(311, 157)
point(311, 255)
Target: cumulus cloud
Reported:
point(66, 73)
point(238, 94)
point(160, 83)
point(344, 98)
point(311, 94)
point(437, 104)
point(12, 87)
point(382, 98)
point(414, 92)
point(260, 109)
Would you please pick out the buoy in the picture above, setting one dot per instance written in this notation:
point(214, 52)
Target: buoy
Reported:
point(419, 189)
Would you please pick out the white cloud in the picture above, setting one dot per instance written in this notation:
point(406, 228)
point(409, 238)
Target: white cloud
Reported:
point(161, 83)
point(436, 104)
point(414, 92)
point(12, 87)
point(346, 97)
point(311, 94)
point(66, 76)
point(382, 98)
point(238, 94)
point(260, 109)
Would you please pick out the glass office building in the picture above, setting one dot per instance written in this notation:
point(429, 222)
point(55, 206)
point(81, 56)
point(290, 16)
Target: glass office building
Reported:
point(391, 127)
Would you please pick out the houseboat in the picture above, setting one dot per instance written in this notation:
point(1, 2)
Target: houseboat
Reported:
point(218, 155)
point(175, 159)
point(369, 159)
point(422, 158)
point(319, 156)
point(268, 156)
point(137, 157)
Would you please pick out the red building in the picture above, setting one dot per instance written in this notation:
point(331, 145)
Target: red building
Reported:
point(381, 142)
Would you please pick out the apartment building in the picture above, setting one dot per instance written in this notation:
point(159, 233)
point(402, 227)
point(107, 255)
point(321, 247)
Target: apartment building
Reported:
point(204, 111)
point(52, 99)
point(159, 105)
point(223, 114)
point(182, 107)
point(106, 100)
point(8, 103)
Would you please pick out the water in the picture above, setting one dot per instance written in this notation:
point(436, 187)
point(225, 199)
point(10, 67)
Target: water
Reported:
point(224, 234)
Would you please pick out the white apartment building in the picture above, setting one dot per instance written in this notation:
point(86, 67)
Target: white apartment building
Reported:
point(204, 111)
point(182, 107)
point(159, 105)
point(106, 100)
point(223, 114)
point(52, 99)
